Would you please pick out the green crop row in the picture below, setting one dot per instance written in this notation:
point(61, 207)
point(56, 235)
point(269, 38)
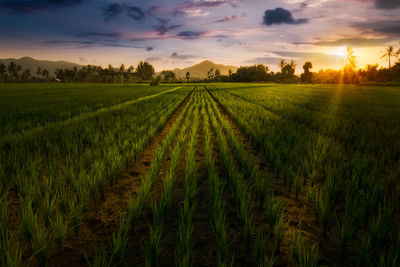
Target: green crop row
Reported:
point(57, 173)
point(185, 247)
point(120, 238)
point(340, 177)
point(216, 190)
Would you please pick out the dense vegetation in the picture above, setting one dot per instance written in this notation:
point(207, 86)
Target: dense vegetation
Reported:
point(23, 107)
point(351, 73)
point(248, 174)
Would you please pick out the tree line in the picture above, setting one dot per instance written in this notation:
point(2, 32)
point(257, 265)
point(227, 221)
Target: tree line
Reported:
point(349, 74)
point(144, 72)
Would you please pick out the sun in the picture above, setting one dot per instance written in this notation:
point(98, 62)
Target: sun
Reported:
point(340, 51)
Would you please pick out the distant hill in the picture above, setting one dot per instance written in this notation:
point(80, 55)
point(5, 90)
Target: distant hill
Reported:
point(33, 64)
point(200, 70)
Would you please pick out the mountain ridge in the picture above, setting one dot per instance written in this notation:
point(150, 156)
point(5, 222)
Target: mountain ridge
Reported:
point(198, 70)
point(33, 64)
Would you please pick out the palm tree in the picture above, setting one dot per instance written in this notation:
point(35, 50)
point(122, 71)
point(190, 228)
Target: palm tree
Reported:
point(351, 58)
point(389, 52)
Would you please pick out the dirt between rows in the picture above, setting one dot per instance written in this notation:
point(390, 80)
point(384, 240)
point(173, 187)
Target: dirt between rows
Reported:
point(300, 218)
point(101, 221)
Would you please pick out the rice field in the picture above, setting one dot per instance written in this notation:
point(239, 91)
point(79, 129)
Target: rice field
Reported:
point(199, 175)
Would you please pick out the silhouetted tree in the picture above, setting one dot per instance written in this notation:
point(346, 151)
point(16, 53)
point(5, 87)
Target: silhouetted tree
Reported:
point(144, 71)
point(255, 73)
point(210, 74)
point(287, 71)
point(168, 75)
point(46, 74)
point(3, 71)
point(349, 73)
point(389, 52)
point(26, 75)
point(351, 59)
point(306, 77)
point(187, 77)
point(217, 72)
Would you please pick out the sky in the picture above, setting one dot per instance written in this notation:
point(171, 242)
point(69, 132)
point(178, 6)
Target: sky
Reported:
point(178, 33)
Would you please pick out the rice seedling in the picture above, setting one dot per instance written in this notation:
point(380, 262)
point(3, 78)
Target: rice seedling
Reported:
point(11, 251)
point(324, 210)
point(310, 196)
point(298, 185)
point(77, 215)
point(364, 251)
point(273, 211)
point(40, 244)
point(119, 241)
point(152, 248)
point(346, 232)
point(28, 220)
point(134, 211)
point(49, 208)
point(185, 237)
point(279, 232)
point(59, 227)
point(261, 254)
point(100, 258)
point(300, 256)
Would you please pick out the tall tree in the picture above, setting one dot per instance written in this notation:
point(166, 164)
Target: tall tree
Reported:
point(351, 59)
point(168, 75)
point(187, 77)
point(3, 71)
point(389, 52)
point(306, 77)
point(46, 74)
point(210, 74)
point(145, 70)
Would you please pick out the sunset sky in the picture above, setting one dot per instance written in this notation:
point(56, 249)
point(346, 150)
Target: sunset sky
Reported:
point(177, 33)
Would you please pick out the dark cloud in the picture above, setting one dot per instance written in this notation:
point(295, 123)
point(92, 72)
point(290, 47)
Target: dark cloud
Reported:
point(88, 44)
point(34, 6)
point(387, 4)
point(383, 26)
point(354, 41)
point(280, 16)
point(149, 48)
point(181, 57)
point(230, 18)
point(134, 12)
point(98, 34)
point(190, 34)
point(113, 10)
point(162, 29)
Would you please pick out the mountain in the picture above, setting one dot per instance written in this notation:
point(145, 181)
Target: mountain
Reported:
point(33, 64)
point(200, 70)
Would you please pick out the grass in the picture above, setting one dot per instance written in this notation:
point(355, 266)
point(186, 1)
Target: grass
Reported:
point(71, 143)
